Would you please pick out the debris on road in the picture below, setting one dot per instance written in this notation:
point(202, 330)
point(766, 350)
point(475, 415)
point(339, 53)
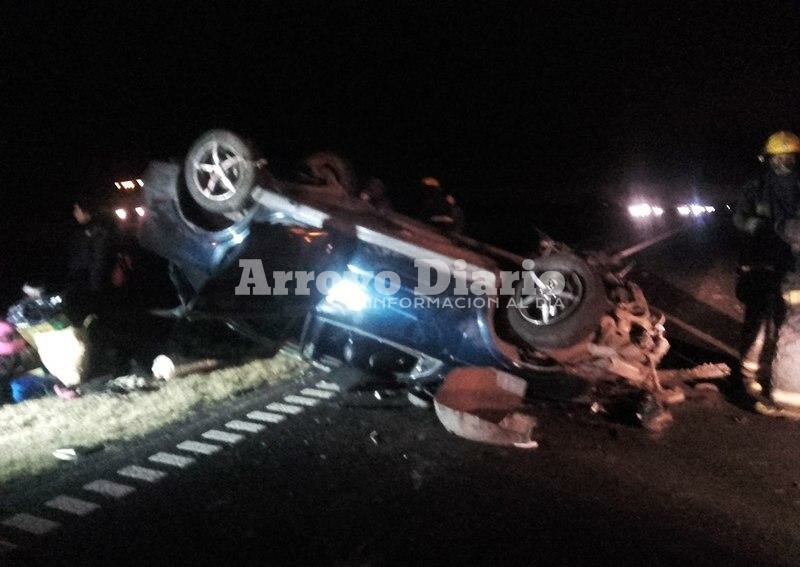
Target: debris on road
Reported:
point(33, 430)
point(169, 367)
point(73, 453)
point(629, 345)
point(131, 383)
point(483, 404)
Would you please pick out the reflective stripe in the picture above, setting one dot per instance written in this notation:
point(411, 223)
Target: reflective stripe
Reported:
point(751, 365)
point(792, 297)
point(786, 398)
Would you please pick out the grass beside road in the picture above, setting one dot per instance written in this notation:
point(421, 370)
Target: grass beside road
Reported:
point(31, 431)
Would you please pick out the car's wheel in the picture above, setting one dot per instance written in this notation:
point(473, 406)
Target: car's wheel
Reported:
point(220, 172)
point(558, 303)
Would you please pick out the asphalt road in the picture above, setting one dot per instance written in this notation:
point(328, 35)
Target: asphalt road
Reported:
point(357, 480)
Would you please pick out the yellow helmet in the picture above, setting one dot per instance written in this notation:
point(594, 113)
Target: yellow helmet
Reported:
point(782, 142)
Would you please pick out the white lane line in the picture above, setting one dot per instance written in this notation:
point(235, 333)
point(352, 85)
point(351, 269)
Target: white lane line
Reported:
point(72, 505)
point(266, 416)
point(320, 366)
point(224, 436)
point(198, 447)
point(300, 400)
point(713, 341)
point(325, 385)
point(108, 488)
point(172, 460)
point(314, 393)
point(31, 524)
point(284, 408)
point(248, 426)
point(142, 473)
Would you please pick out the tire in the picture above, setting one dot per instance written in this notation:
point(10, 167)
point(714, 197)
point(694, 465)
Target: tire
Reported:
point(786, 364)
point(220, 172)
point(581, 319)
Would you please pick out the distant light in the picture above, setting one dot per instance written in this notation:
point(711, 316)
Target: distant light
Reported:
point(139, 211)
point(118, 185)
point(122, 214)
point(140, 182)
point(710, 209)
point(658, 211)
point(684, 210)
point(128, 185)
point(728, 207)
point(640, 210)
point(697, 210)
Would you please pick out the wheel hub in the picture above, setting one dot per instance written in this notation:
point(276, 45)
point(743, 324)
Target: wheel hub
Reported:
point(217, 171)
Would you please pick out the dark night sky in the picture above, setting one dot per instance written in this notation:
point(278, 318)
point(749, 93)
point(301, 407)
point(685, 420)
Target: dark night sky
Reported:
point(575, 95)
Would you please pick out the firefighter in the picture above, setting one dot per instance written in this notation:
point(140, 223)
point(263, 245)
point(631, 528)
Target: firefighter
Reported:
point(767, 201)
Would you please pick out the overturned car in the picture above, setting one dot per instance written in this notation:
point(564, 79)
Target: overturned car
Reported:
point(272, 253)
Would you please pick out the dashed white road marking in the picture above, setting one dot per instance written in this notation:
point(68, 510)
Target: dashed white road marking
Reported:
point(224, 436)
point(320, 366)
point(31, 524)
point(266, 416)
point(171, 459)
point(72, 505)
point(332, 386)
point(108, 488)
point(198, 447)
point(301, 400)
point(314, 393)
point(142, 473)
point(284, 408)
point(248, 426)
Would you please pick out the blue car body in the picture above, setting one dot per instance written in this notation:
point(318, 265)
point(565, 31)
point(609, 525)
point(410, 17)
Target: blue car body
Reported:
point(290, 234)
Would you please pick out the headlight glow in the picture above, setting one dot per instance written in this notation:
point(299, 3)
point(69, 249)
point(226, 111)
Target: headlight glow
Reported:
point(695, 210)
point(348, 294)
point(139, 211)
point(122, 214)
point(640, 210)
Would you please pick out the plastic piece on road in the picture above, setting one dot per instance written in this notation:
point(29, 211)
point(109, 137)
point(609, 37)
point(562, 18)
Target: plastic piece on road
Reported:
point(482, 404)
